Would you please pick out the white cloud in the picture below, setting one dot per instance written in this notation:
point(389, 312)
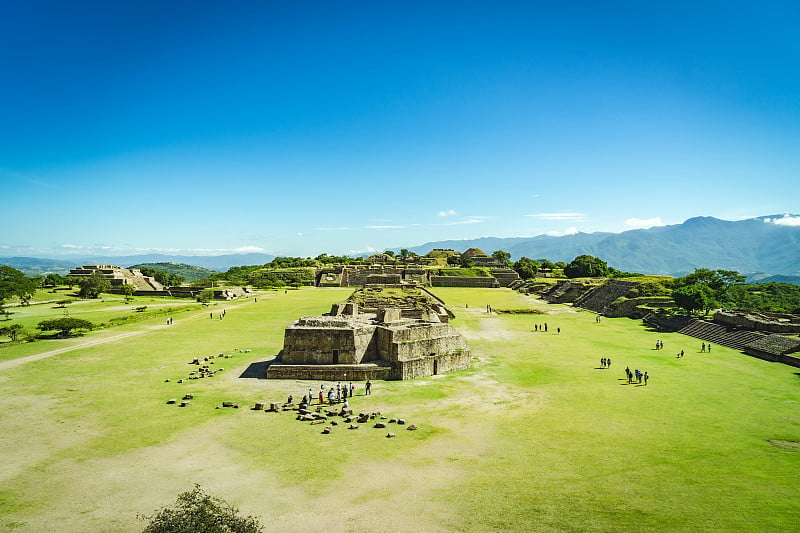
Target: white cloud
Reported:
point(338, 228)
point(249, 250)
point(786, 220)
point(643, 223)
point(380, 228)
point(568, 231)
point(447, 213)
point(367, 250)
point(559, 216)
point(72, 246)
point(468, 220)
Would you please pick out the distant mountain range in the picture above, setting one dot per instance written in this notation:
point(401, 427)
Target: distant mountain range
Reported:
point(759, 247)
point(747, 246)
point(220, 263)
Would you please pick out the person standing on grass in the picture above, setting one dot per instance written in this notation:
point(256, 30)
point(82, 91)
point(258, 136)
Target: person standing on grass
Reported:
point(608, 362)
point(368, 388)
point(646, 377)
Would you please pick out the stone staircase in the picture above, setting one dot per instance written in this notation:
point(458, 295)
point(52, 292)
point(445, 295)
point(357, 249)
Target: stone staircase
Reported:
point(505, 276)
point(718, 334)
point(599, 298)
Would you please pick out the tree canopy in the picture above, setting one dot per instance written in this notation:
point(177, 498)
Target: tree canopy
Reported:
point(92, 285)
point(526, 268)
point(196, 511)
point(502, 256)
point(13, 283)
point(64, 326)
point(586, 266)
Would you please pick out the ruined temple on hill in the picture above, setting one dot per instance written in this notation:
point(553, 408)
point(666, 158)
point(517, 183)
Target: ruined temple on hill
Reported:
point(118, 276)
point(372, 341)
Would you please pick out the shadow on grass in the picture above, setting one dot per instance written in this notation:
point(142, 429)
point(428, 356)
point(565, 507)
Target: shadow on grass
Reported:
point(257, 370)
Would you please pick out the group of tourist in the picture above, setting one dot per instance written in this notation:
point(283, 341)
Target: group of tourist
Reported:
point(637, 375)
point(542, 327)
point(705, 347)
point(338, 394)
point(605, 362)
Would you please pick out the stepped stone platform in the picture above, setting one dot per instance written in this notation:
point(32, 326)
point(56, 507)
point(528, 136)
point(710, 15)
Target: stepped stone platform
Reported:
point(737, 339)
point(776, 348)
point(407, 336)
point(599, 298)
point(459, 281)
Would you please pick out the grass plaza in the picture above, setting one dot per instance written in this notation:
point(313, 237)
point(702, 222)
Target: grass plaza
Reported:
point(535, 436)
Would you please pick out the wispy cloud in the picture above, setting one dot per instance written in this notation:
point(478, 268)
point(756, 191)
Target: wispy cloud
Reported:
point(335, 228)
point(446, 213)
point(381, 228)
point(785, 220)
point(367, 250)
point(17, 176)
point(643, 223)
point(568, 231)
point(468, 220)
point(559, 216)
point(249, 250)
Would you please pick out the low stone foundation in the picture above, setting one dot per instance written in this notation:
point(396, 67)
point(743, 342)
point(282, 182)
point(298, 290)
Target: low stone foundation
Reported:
point(329, 372)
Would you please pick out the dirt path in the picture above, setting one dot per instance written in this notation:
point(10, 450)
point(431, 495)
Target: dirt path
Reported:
point(5, 365)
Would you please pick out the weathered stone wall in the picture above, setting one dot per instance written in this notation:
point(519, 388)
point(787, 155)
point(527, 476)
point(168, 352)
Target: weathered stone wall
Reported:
point(430, 365)
point(398, 343)
point(329, 372)
point(755, 323)
point(459, 281)
point(328, 345)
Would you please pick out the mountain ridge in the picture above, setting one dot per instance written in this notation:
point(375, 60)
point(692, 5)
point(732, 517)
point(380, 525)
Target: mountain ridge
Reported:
point(754, 245)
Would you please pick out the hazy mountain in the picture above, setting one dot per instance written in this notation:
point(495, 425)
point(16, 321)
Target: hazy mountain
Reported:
point(187, 272)
point(753, 245)
point(34, 266)
point(220, 263)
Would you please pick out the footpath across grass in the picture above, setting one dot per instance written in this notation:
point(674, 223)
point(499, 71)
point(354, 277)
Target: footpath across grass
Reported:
point(534, 437)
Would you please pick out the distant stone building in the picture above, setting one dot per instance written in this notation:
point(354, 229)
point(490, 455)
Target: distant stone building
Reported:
point(118, 276)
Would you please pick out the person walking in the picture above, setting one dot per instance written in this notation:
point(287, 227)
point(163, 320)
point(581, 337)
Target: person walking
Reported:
point(646, 377)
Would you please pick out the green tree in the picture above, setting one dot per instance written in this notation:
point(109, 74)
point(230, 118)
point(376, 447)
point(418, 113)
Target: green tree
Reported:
point(64, 326)
point(195, 511)
point(128, 290)
point(694, 298)
point(503, 257)
point(404, 254)
point(13, 332)
point(92, 285)
point(466, 262)
point(205, 296)
point(390, 253)
point(13, 283)
point(53, 280)
point(586, 266)
point(526, 268)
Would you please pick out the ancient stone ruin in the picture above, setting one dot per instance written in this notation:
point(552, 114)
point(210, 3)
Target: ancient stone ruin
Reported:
point(374, 336)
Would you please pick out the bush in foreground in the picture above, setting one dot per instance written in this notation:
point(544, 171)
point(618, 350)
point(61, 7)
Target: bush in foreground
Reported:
point(197, 511)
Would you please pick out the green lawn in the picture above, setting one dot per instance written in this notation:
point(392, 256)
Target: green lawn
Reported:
point(534, 437)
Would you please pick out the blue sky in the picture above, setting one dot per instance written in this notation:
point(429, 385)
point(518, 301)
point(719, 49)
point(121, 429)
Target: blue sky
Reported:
point(296, 128)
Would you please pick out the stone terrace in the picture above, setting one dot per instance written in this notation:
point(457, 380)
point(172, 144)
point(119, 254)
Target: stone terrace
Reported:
point(717, 334)
point(601, 297)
